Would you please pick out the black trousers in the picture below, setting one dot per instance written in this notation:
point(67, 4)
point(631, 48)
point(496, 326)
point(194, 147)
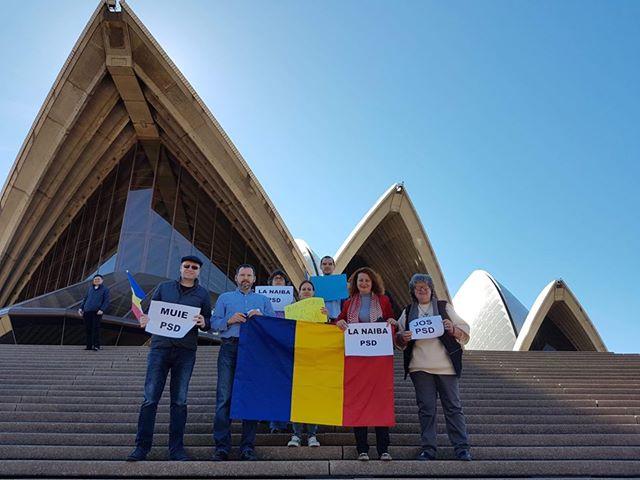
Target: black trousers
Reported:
point(92, 328)
point(382, 439)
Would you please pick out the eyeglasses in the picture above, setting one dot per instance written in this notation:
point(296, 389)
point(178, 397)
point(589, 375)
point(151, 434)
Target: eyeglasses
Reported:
point(422, 289)
point(192, 267)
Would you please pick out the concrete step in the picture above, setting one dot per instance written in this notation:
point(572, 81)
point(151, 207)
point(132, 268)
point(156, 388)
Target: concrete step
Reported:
point(409, 401)
point(466, 393)
point(79, 452)
point(206, 428)
point(196, 418)
point(333, 439)
point(400, 409)
point(306, 468)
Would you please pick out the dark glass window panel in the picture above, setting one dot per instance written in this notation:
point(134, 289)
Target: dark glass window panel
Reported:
point(55, 261)
point(74, 332)
point(116, 216)
point(158, 243)
point(103, 209)
point(222, 243)
point(166, 188)
point(144, 171)
point(205, 223)
point(550, 337)
point(40, 330)
point(186, 205)
point(132, 337)
point(180, 247)
point(7, 339)
point(64, 272)
point(238, 252)
point(160, 231)
point(133, 239)
point(80, 247)
point(37, 279)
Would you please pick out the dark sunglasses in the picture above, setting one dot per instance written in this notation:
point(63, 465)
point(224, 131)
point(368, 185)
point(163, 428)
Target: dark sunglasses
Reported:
point(192, 267)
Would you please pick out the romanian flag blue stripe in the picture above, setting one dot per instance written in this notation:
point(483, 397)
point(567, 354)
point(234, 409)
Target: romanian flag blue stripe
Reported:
point(135, 288)
point(270, 380)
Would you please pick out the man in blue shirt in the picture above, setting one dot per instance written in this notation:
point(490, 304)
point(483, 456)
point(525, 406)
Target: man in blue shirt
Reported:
point(232, 310)
point(328, 265)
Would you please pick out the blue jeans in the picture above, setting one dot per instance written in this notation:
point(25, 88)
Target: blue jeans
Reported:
point(160, 361)
point(227, 357)
point(299, 427)
point(276, 425)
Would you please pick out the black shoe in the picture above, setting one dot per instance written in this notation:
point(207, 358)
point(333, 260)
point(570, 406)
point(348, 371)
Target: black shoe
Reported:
point(95, 349)
point(424, 456)
point(464, 455)
point(220, 456)
point(99, 347)
point(180, 456)
point(89, 348)
point(137, 455)
point(249, 455)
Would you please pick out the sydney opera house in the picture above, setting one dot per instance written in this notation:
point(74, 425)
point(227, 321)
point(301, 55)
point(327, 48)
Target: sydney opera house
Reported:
point(125, 168)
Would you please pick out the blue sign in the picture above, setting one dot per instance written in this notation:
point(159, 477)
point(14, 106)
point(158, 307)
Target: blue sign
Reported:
point(330, 287)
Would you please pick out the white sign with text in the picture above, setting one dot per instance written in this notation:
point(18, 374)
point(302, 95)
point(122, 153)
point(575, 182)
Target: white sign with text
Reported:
point(426, 327)
point(280, 296)
point(368, 340)
point(171, 319)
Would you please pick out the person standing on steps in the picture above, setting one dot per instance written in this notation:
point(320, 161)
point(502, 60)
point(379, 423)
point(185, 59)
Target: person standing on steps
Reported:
point(175, 355)
point(367, 303)
point(232, 310)
point(435, 365)
point(93, 306)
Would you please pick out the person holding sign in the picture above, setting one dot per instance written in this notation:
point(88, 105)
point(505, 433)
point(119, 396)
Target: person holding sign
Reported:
point(278, 279)
point(305, 290)
point(367, 303)
point(328, 266)
point(432, 334)
point(175, 355)
point(232, 310)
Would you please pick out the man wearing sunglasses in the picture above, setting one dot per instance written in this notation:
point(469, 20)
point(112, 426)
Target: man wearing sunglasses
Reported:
point(177, 355)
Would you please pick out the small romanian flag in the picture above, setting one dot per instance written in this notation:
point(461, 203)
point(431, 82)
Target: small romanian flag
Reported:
point(136, 296)
point(298, 372)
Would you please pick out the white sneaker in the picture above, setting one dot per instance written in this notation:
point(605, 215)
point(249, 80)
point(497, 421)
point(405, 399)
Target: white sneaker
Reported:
point(385, 457)
point(313, 442)
point(294, 442)
point(363, 457)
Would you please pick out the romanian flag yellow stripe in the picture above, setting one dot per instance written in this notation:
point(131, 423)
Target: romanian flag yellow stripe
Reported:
point(318, 380)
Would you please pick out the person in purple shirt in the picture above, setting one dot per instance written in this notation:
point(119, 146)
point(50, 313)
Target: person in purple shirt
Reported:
point(232, 310)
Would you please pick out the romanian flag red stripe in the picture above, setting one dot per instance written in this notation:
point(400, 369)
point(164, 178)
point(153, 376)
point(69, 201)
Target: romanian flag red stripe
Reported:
point(137, 295)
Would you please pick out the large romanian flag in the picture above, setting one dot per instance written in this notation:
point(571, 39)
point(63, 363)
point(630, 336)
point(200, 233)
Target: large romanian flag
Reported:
point(297, 371)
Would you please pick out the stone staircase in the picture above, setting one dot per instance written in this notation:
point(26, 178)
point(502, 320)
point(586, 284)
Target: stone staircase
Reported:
point(67, 412)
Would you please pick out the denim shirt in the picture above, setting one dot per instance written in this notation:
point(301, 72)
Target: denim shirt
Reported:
point(230, 303)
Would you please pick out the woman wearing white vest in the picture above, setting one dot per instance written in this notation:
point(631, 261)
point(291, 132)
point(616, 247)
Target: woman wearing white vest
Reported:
point(434, 365)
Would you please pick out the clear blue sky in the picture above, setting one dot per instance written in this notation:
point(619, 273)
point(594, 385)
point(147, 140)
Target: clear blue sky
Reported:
point(515, 125)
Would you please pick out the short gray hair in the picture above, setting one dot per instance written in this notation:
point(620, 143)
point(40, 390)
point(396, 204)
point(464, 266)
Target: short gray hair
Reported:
point(420, 277)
